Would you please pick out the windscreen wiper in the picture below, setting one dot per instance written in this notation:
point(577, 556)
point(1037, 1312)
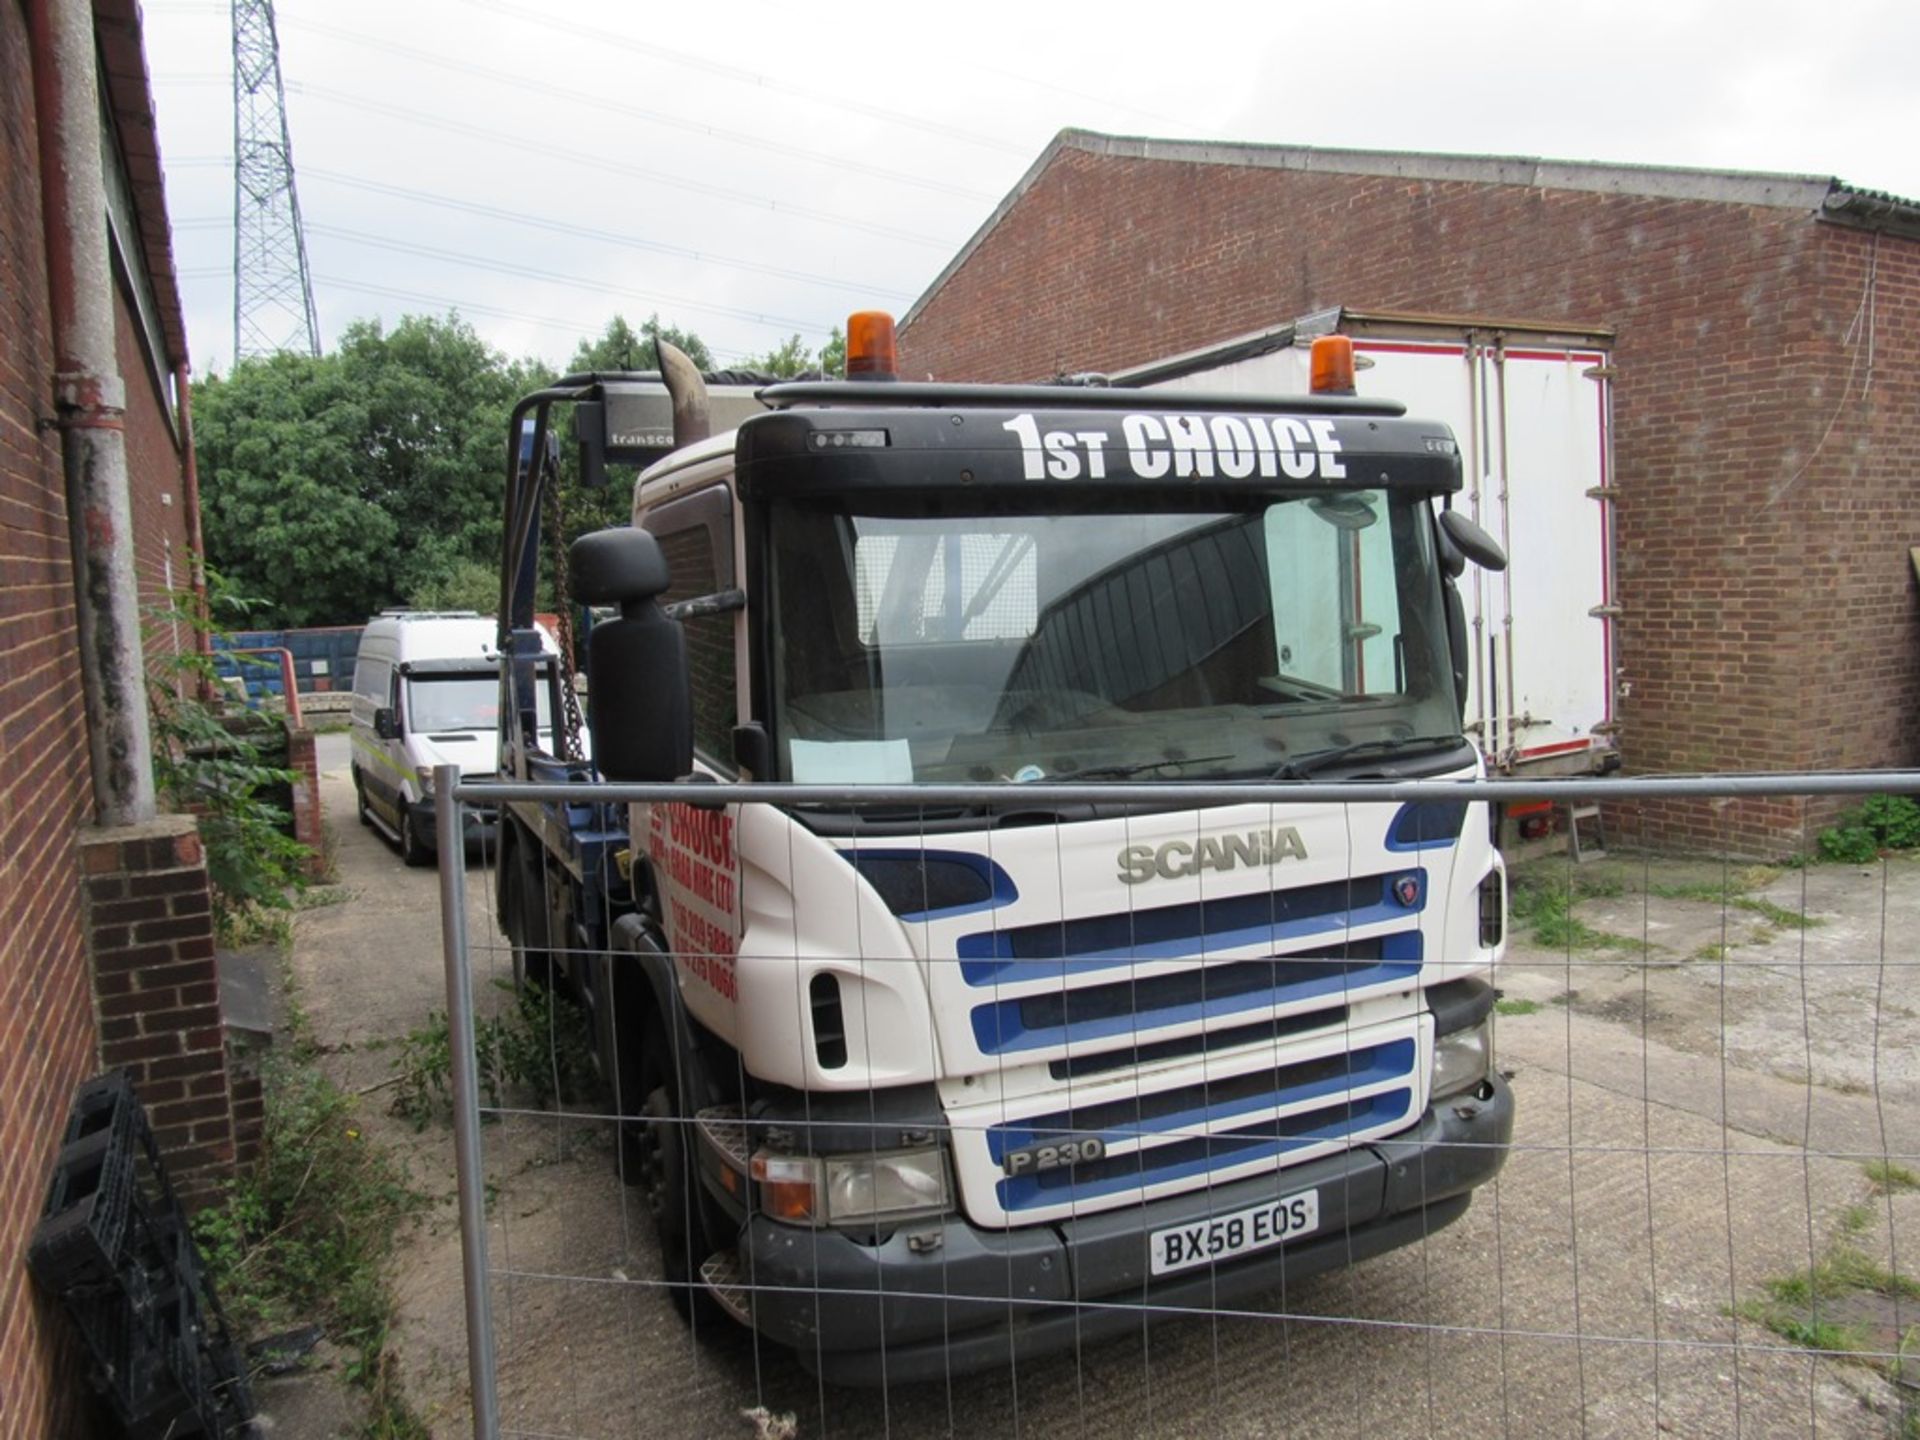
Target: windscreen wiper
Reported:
point(1300, 767)
point(1121, 772)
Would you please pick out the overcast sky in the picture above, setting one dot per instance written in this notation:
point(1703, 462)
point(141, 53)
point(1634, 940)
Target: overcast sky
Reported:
point(751, 169)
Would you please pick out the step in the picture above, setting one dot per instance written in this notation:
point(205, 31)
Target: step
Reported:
point(720, 1273)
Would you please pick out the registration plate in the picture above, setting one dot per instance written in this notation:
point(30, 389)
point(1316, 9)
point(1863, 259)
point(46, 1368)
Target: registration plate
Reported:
point(1221, 1237)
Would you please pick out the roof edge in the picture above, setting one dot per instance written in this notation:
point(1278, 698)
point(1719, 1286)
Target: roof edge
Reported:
point(1823, 196)
point(1025, 183)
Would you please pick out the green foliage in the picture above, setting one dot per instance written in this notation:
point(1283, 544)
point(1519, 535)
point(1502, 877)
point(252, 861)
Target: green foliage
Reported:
point(792, 357)
point(305, 1235)
point(210, 762)
point(1516, 1007)
point(1884, 822)
point(621, 347)
point(1888, 1177)
point(833, 355)
point(540, 1047)
point(464, 585)
point(331, 487)
point(1545, 903)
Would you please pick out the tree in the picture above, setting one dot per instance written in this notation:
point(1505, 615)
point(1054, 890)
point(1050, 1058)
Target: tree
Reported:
point(334, 486)
point(621, 347)
point(833, 355)
point(792, 357)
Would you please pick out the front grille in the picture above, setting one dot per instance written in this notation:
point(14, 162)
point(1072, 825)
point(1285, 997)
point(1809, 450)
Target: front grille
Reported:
point(1202, 992)
point(1160, 1138)
point(1207, 1042)
point(1065, 947)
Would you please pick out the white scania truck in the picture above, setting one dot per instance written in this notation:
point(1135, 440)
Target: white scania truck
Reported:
point(920, 1088)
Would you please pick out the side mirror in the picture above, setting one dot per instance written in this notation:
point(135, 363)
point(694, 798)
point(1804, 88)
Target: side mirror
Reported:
point(1473, 542)
point(386, 724)
point(590, 433)
point(639, 706)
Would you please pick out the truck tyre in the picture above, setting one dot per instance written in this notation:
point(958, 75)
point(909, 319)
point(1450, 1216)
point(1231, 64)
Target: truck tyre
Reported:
point(656, 1155)
point(413, 850)
point(526, 925)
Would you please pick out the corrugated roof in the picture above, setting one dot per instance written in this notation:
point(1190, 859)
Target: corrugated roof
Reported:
point(1820, 196)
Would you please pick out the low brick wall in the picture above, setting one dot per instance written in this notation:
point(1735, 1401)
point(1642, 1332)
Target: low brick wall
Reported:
point(148, 915)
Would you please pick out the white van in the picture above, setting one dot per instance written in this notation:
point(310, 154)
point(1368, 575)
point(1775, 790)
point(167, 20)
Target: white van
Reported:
point(426, 692)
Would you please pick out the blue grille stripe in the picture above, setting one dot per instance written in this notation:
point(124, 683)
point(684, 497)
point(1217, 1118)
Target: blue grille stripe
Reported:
point(1198, 1157)
point(998, 1027)
point(1370, 1066)
point(1176, 932)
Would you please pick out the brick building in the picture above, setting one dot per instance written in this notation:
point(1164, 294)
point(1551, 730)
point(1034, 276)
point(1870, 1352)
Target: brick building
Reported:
point(1766, 410)
point(106, 941)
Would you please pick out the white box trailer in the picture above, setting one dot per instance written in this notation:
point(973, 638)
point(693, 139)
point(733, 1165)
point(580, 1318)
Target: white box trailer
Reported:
point(1529, 404)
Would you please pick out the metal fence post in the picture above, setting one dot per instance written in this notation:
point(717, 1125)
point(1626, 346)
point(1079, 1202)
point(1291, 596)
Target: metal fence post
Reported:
point(452, 851)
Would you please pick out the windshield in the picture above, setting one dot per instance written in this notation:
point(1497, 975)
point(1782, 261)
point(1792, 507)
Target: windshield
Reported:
point(1159, 643)
point(461, 702)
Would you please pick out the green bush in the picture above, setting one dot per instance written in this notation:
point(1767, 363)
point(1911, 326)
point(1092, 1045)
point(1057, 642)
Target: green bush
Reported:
point(1884, 822)
point(541, 1046)
point(209, 763)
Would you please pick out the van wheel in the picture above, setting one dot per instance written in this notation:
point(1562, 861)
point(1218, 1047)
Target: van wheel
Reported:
point(360, 805)
point(413, 850)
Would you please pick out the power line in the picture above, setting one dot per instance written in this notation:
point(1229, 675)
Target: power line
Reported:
point(444, 303)
point(610, 237)
point(527, 272)
point(657, 117)
point(547, 21)
point(640, 172)
point(559, 227)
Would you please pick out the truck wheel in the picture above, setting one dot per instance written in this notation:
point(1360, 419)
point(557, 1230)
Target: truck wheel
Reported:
point(526, 926)
point(413, 850)
point(656, 1151)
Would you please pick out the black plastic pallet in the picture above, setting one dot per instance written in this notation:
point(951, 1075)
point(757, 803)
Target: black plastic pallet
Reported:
point(115, 1246)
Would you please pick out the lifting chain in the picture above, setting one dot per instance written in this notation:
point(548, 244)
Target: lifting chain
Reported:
point(567, 738)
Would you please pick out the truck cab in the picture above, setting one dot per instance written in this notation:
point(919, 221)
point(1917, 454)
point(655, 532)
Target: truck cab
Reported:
point(974, 1079)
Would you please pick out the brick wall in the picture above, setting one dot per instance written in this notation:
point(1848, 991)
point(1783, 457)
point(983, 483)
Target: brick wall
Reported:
point(46, 1013)
point(303, 761)
point(1767, 487)
point(157, 990)
point(163, 556)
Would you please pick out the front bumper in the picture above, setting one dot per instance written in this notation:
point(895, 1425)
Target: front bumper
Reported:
point(479, 825)
point(910, 1308)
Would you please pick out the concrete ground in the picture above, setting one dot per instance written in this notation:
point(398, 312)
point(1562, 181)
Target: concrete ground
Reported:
point(1691, 1126)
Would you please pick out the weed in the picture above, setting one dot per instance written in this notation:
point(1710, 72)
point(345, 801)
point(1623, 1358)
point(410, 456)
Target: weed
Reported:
point(1516, 1007)
point(1711, 953)
point(1547, 907)
point(304, 1235)
point(1856, 1219)
point(1883, 822)
point(1709, 893)
point(540, 1046)
point(210, 764)
point(1888, 1177)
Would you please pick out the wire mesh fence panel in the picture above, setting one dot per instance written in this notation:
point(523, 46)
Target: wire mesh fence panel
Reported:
point(1160, 1109)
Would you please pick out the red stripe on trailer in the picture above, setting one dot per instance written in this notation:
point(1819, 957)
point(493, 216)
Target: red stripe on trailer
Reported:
point(1560, 747)
point(1567, 355)
point(1392, 347)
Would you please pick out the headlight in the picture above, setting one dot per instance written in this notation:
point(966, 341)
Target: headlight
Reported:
point(1461, 1060)
point(424, 774)
point(886, 1187)
point(852, 1189)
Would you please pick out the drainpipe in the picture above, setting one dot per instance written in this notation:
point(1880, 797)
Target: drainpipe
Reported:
point(183, 392)
point(90, 405)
